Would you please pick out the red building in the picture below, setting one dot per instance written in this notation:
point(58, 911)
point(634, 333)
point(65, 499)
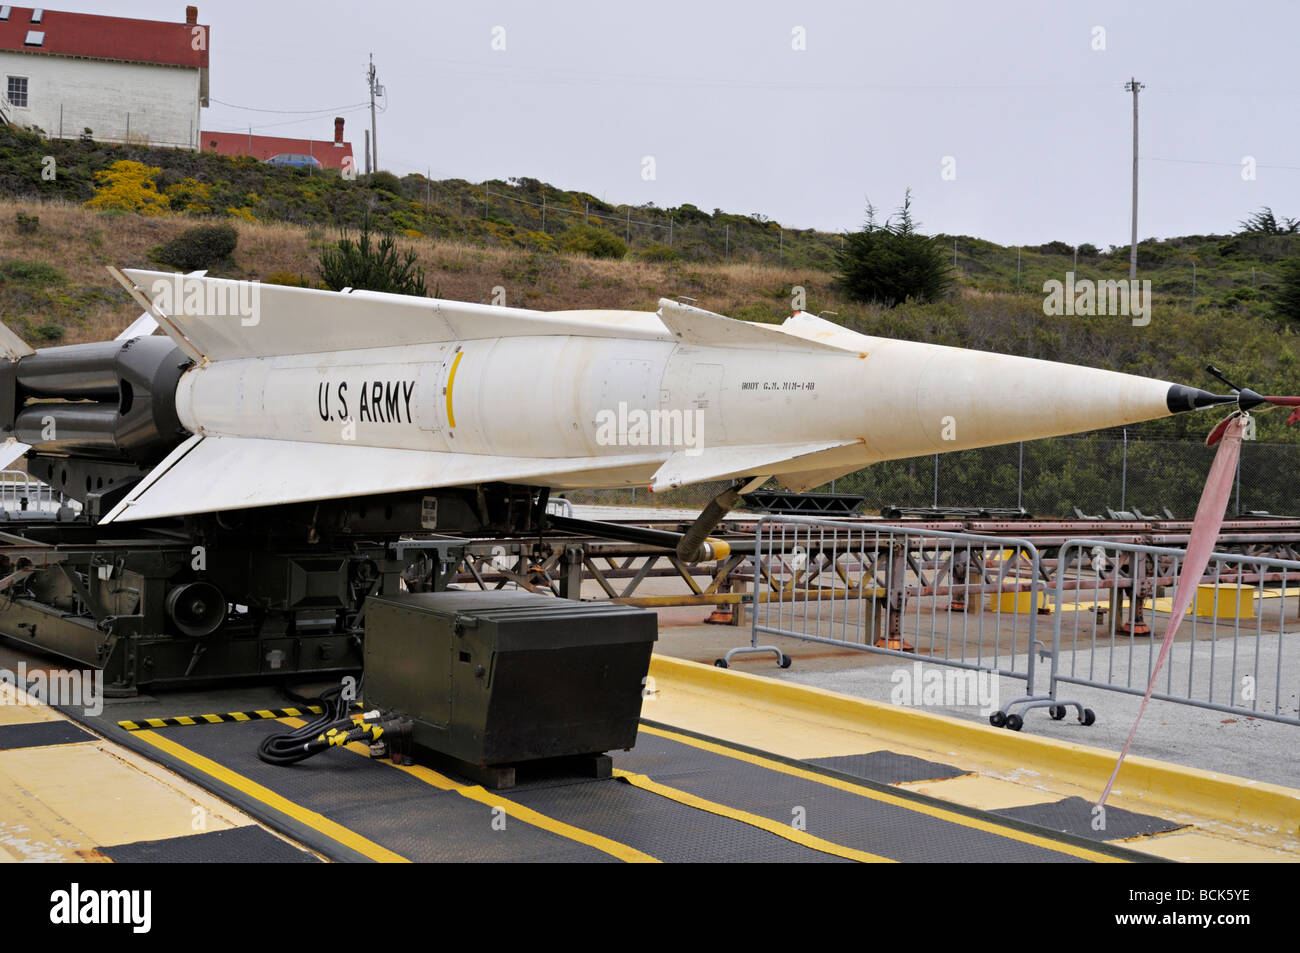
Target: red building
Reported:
point(335, 154)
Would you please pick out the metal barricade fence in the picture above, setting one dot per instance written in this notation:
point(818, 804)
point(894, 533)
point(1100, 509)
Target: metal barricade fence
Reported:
point(956, 599)
point(21, 495)
point(1232, 652)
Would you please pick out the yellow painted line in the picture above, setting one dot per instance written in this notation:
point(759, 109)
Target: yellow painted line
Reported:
point(1143, 782)
point(779, 828)
point(317, 822)
point(475, 792)
point(451, 379)
point(952, 817)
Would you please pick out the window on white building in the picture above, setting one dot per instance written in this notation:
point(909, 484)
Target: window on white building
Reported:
point(17, 91)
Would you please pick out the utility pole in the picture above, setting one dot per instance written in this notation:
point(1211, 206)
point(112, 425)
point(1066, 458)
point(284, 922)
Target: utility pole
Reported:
point(1134, 87)
point(375, 90)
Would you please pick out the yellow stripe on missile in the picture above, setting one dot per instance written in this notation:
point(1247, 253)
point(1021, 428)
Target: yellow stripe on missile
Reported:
point(451, 379)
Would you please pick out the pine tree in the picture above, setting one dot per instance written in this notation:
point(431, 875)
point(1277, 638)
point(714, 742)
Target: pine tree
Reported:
point(1286, 304)
point(364, 265)
point(893, 262)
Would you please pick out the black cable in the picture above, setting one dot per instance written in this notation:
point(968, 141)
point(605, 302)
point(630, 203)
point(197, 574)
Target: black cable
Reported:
point(312, 738)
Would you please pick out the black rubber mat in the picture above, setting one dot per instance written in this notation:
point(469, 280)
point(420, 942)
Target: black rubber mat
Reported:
point(238, 845)
point(1074, 815)
point(422, 823)
point(843, 817)
point(663, 828)
point(418, 821)
point(889, 767)
point(383, 804)
point(37, 734)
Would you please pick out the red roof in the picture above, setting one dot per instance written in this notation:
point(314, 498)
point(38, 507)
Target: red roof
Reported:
point(331, 155)
point(107, 38)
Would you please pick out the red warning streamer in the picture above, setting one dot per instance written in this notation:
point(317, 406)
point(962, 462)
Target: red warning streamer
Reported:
point(1205, 532)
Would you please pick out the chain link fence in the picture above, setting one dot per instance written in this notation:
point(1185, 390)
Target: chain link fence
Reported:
point(1048, 478)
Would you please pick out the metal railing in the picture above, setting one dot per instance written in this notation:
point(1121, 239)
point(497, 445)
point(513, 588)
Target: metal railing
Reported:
point(21, 495)
point(958, 599)
point(559, 507)
point(1232, 652)
point(971, 601)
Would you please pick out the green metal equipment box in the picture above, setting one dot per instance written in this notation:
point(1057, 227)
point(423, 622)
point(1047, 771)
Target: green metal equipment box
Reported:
point(493, 678)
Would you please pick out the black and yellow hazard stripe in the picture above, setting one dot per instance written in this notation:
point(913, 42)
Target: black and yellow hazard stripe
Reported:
point(229, 716)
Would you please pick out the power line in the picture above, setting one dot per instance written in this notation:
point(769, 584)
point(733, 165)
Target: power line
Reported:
point(1235, 165)
point(463, 68)
point(296, 112)
point(295, 122)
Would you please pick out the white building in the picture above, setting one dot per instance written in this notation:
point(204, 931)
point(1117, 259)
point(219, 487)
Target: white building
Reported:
point(126, 80)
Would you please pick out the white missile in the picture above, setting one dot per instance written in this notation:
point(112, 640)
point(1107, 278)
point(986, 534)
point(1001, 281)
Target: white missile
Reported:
point(292, 395)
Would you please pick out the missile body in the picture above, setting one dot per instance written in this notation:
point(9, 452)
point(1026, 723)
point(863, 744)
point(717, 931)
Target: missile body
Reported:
point(322, 395)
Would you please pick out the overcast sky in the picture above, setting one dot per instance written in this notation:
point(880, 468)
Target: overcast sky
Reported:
point(1020, 96)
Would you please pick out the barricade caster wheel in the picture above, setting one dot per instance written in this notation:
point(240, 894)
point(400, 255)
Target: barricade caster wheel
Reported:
point(720, 662)
point(1015, 722)
point(785, 660)
point(1057, 712)
point(1088, 717)
point(997, 719)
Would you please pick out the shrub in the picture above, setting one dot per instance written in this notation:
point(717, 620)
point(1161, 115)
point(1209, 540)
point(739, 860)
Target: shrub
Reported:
point(386, 182)
point(1055, 248)
point(190, 196)
point(201, 247)
point(1088, 251)
point(286, 278)
point(363, 264)
point(593, 241)
point(50, 332)
point(28, 223)
point(30, 272)
point(657, 251)
point(128, 186)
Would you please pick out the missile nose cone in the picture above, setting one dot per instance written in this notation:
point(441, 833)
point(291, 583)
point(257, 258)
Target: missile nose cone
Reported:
point(1247, 399)
point(1183, 398)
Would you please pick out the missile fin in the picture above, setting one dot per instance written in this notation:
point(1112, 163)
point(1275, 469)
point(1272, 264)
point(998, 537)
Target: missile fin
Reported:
point(705, 329)
point(721, 463)
point(10, 451)
point(12, 346)
point(801, 324)
point(224, 319)
point(261, 472)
